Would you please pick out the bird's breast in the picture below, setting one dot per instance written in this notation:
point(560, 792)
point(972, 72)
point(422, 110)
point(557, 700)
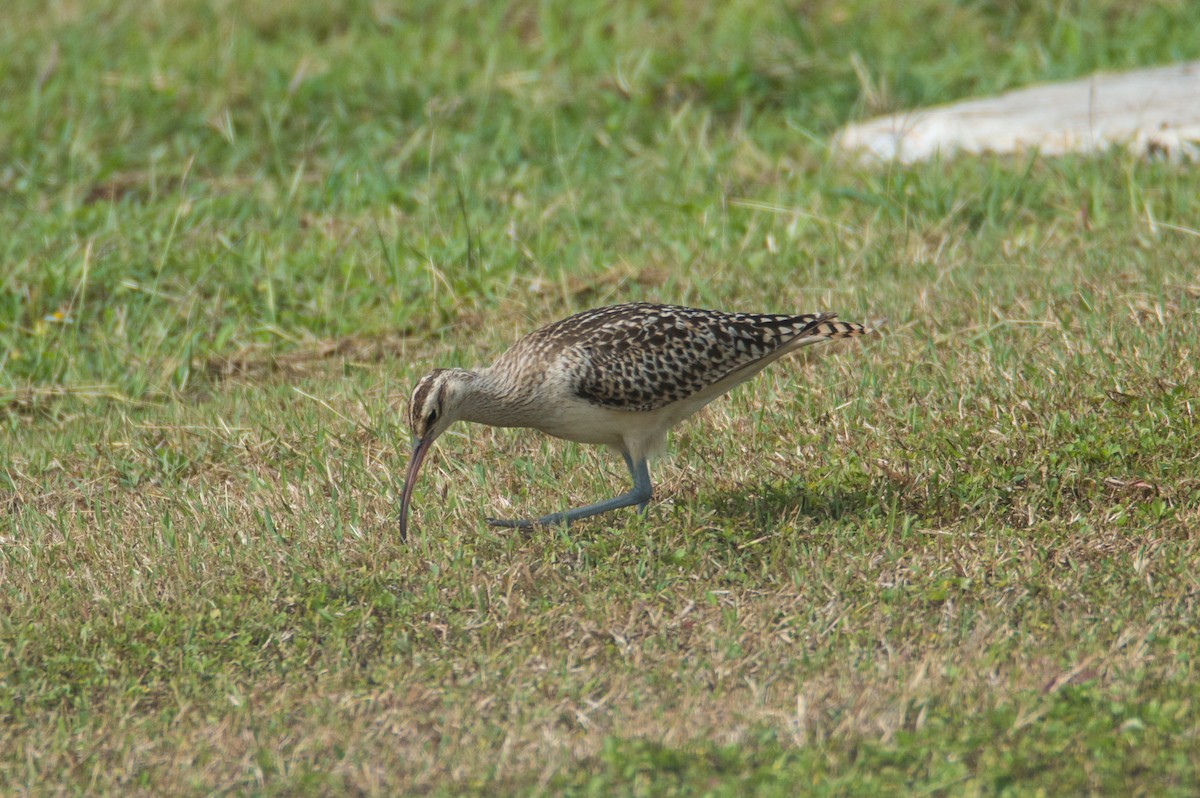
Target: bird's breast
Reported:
point(577, 420)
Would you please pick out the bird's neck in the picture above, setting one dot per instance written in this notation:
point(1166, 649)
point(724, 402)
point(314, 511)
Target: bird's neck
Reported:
point(495, 399)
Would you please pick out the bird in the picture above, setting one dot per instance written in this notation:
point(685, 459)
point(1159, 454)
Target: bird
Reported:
point(620, 376)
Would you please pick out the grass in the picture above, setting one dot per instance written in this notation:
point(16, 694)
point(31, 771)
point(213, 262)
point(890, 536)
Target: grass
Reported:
point(959, 559)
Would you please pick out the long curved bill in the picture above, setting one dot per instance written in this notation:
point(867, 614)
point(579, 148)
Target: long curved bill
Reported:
point(420, 449)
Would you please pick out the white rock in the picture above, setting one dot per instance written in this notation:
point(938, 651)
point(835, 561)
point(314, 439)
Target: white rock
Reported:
point(1149, 110)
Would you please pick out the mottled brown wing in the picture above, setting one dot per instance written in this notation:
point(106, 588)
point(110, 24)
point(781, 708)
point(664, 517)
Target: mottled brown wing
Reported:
point(643, 357)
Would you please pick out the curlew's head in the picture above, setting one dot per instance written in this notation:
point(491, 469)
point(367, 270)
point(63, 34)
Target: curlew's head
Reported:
point(436, 403)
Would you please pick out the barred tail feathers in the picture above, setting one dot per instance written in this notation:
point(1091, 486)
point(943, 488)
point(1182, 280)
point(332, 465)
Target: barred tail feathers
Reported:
point(826, 328)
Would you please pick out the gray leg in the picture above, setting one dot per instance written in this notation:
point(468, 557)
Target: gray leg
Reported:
point(639, 494)
point(634, 473)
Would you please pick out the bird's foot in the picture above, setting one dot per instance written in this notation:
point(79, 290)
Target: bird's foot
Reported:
point(510, 523)
point(527, 523)
point(639, 496)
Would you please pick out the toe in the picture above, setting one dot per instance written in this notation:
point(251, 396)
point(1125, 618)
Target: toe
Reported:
point(510, 524)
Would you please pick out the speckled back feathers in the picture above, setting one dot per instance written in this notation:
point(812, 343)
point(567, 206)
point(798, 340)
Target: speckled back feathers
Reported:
point(642, 356)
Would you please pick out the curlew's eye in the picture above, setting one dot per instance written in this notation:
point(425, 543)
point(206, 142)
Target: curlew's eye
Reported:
point(432, 417)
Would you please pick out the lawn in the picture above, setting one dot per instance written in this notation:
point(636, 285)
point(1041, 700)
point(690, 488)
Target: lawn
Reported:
point(959, 558)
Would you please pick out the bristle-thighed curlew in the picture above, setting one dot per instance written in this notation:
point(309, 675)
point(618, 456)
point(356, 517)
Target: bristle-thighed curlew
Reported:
point(619, 376)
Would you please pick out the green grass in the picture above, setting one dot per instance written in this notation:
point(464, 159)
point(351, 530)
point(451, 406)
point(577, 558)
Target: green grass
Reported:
point(958, 559)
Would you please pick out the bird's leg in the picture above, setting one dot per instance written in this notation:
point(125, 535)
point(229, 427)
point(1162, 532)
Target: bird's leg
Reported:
point(633, 472)
point(639, 494)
